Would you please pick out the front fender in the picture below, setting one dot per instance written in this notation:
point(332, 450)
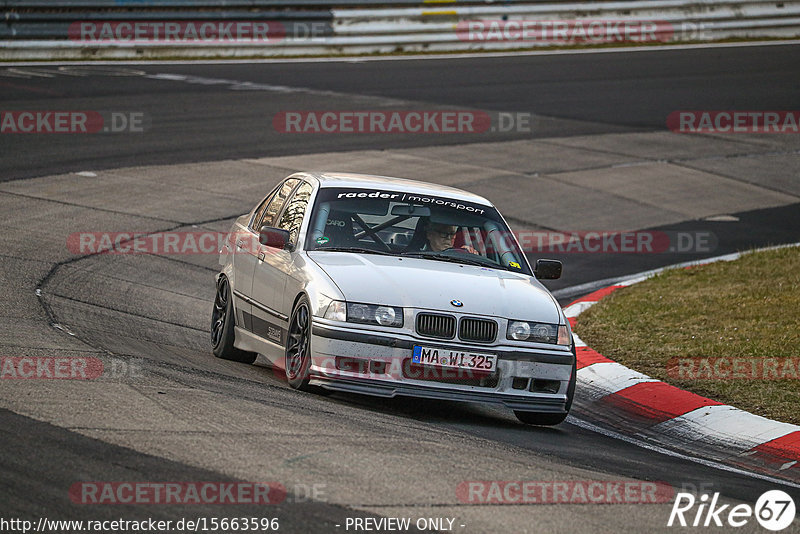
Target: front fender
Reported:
point(315, 284)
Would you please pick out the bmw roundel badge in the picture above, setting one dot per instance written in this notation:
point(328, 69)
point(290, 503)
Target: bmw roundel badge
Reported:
point(456, 303)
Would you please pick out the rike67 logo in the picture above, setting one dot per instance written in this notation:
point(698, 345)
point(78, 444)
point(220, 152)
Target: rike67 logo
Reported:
point(774, 510)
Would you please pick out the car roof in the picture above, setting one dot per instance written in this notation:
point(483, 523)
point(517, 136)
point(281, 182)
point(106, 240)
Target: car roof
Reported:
point(369, 181)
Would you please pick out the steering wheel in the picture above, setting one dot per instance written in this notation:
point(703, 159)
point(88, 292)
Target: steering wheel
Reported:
point(461, 250)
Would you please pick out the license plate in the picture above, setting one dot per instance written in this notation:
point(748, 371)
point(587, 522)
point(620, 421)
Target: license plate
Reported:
point(457, 359)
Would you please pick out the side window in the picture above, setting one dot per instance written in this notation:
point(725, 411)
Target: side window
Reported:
point(273, 207)
point(260, 211)
point(292, 217)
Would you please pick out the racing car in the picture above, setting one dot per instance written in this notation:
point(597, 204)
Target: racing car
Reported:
point(392, 287)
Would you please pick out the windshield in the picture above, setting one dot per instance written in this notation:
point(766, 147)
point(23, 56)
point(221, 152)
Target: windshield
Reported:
point(415, 225)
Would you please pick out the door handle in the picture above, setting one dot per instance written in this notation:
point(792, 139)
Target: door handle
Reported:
point(240, 244)
point(261, 256)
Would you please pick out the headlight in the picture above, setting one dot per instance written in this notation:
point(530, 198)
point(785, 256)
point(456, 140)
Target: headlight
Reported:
point(375, 314)
point(519, 330)
point(538, 332)
point(336, 311)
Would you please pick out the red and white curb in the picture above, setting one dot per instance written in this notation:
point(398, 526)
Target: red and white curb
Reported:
point(658, 412)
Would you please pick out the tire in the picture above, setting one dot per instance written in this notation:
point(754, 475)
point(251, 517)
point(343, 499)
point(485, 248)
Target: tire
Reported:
point(297, 359)
point(551, 419)
point(541, 419)
point(222, 323)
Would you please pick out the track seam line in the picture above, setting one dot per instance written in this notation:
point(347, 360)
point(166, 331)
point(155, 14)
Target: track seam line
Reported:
point(74, 205)
point(738, 179)
point(133, 314)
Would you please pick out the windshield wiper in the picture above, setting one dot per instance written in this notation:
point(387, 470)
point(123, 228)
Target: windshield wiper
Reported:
point(452, 259)
point(360, 250)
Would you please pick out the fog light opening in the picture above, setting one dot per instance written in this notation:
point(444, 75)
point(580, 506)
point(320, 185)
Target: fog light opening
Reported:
point(519, 382)
point(545, 386)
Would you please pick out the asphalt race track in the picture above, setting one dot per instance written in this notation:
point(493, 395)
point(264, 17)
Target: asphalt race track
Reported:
point(212, 117)
point(598, 157)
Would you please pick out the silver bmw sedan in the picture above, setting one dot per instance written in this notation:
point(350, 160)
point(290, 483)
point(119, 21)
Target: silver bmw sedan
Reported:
point(385, 286)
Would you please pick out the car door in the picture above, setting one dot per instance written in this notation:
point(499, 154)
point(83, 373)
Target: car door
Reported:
point(245, 241)
point(291, 220)
point(268, 279)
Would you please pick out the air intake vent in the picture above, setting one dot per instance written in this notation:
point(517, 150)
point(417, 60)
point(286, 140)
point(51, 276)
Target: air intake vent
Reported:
point(434, 325)
point(480, 330)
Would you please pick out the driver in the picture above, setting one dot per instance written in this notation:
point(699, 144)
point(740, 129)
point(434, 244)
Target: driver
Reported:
point(441, 237)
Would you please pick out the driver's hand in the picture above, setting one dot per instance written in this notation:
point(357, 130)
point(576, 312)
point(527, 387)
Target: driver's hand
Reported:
point(469, 249)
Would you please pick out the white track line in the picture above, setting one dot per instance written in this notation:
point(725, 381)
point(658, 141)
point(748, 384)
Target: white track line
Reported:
point(649, 446)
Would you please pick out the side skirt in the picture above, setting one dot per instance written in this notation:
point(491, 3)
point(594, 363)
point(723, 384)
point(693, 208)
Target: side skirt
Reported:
point(249, 341)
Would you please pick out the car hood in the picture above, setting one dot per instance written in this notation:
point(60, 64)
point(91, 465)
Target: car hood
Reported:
point(431, 284)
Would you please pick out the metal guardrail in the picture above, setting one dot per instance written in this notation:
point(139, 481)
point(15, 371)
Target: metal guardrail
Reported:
point(33, 25)
point(38, 33)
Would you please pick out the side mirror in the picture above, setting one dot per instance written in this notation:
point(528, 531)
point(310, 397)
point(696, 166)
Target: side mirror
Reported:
point(274, 237)
point(547, 269)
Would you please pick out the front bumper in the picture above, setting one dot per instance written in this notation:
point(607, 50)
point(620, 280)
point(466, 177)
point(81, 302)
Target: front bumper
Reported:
point(377, 363)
